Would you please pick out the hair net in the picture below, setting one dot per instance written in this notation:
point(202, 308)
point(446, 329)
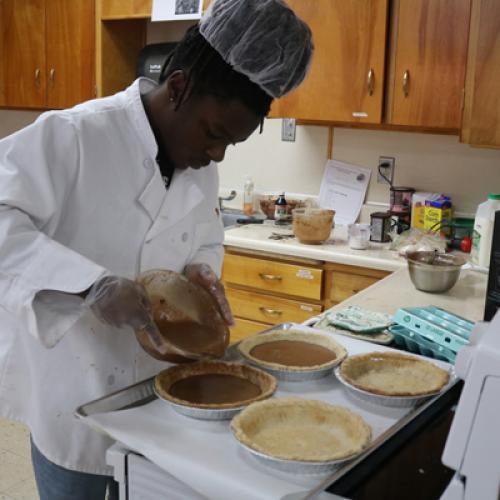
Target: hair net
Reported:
point(263, 39)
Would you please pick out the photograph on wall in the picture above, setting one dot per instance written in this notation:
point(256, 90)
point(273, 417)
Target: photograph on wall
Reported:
point(176, 10)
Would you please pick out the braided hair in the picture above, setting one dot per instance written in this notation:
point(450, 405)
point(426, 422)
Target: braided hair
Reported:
point(208, 74)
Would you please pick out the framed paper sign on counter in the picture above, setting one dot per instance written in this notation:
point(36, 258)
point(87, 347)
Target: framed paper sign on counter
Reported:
point(176, 10)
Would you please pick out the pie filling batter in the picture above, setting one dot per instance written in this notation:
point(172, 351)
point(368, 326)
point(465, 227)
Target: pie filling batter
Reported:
point(292, 353)
point(214, 388)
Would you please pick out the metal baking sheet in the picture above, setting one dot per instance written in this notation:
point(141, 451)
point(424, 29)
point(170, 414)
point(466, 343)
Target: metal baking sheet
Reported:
point(395, 420)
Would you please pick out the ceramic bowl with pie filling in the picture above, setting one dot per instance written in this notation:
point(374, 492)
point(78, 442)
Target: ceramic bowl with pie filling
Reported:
point(300, 435)
point(293, 355)
point(392, 378)
point(212, 390)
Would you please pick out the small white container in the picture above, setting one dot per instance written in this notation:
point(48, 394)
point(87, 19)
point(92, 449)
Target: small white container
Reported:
point(483, 230)
point(359, 236)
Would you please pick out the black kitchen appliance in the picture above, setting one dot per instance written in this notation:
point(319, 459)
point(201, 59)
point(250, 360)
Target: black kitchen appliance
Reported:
point(493, 290)
point(152, 58)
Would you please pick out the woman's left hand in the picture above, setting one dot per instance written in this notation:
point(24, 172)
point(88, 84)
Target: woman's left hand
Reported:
point(203, 275)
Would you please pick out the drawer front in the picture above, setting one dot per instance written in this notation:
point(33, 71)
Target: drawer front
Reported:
point(279, 277)
point(245, 328)
point(345, 285)
point(269, 309)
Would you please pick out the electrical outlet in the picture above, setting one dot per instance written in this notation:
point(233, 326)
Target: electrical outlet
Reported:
point(288, 129)
point(386, 167)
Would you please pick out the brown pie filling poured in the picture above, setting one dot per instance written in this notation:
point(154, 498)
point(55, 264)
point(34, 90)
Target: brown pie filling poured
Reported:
point(214, 388)
point(292, 353)
point(192, 337)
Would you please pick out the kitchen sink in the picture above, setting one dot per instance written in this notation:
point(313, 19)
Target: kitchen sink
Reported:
point(233, 216)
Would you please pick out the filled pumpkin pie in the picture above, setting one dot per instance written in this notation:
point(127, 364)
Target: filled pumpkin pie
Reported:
point(292, 350)
point(214, 385)
point(393, 374)
point(302, 430)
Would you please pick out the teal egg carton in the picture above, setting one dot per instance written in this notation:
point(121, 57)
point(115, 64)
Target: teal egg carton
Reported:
point(437, 325)
point(413, 342)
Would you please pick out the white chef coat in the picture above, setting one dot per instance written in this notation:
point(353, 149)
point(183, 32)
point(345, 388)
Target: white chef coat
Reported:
point(81, 196)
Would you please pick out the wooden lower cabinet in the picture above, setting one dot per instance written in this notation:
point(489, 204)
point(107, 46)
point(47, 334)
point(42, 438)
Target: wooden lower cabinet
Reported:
point(342, 281)
point(245, 328)
point(265, 289)
point(269, 309)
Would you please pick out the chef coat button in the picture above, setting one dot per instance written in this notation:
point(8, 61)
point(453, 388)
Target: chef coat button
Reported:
point(184, 237)
point(148, 163)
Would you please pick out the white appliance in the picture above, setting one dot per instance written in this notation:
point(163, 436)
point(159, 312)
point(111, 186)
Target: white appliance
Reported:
point(473, 444)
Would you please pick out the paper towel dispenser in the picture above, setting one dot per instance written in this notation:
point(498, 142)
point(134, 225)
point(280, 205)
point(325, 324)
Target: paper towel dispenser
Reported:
point(151, 59)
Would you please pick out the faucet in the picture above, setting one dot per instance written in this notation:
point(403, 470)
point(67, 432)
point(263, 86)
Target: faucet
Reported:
point(232, 196)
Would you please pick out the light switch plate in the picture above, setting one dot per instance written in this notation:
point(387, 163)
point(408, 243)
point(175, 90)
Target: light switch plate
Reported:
point(288, 129)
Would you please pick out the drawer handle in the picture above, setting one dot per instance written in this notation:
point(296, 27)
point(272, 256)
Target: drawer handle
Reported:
point(270, 312)
point(270, 277)
point(406, 83)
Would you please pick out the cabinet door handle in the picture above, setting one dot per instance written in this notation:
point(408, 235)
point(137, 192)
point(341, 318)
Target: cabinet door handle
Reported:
point(370, 81)
point(52, 74)
point(270, 277)
point(270, 312)
point(406, 83)
point(37, 77)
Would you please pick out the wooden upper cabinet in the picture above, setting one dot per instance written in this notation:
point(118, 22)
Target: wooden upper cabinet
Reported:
point(481, 124)
point(70, 52)
point(429, 47)
point(345, 82)
point(125, 9)
point(47, 56)
point(23, 60)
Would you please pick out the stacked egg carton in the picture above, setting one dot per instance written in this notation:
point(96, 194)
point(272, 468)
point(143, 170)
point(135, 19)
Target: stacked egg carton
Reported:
point(431, 331)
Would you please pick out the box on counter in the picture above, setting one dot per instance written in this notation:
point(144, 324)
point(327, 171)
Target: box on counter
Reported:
point(418, 201)
point(436, 218)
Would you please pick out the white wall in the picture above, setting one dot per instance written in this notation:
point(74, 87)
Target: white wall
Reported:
point(424, 161)
point(10, 120)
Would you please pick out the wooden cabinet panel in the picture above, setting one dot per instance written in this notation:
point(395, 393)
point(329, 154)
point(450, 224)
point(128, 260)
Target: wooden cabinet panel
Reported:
point(47, 53)
point(70, 52)
point(245, 328)
point(278, 277)
point(349, 38)
point(269, 309)
point(430, 59)
point(343, 281)
point(481, 126)
point(23, 31)
point(123, 9)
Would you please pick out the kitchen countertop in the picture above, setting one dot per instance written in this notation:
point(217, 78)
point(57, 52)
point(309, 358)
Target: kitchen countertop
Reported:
point(466, 298)
point(336, 249)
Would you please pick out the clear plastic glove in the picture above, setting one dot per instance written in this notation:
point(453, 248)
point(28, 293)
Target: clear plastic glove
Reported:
point(203, 275)
point(122, 302)
point(119, 301)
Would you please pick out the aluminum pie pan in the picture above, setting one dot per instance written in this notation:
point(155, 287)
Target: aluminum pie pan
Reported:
point(295, 466)
point(391, 401)
point(202, 413)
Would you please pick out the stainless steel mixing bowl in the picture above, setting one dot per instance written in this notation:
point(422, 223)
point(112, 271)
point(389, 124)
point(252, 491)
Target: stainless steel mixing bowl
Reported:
point(434, 272)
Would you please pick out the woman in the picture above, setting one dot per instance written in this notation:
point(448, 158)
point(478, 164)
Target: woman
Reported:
point(94, 195)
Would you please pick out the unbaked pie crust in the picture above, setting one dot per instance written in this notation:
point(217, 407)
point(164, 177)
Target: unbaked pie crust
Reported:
point(301, 430)
point(321, 339)
point(393, 374)
point(165, 379)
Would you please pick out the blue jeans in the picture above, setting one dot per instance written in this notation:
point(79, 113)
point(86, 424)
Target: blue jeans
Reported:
point(57, 483)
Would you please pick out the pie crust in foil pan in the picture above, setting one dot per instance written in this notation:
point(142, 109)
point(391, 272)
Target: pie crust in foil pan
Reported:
point(391, 401)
